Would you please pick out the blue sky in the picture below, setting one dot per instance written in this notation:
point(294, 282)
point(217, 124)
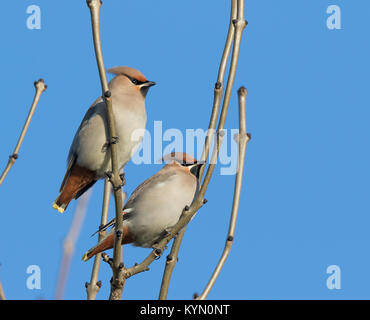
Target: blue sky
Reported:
point(304, 202)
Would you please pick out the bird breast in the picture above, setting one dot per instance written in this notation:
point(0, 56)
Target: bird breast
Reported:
point(130, 127)
point(91, 141)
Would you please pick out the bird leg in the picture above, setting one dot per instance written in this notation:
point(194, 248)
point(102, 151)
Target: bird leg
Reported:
point(114, 140)
point(106, 145)
point(122, 176)
point(109, 175)
point(158, 252)
point(168, 232)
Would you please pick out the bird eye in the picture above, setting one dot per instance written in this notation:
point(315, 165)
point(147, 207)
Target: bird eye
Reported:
point(134, 81)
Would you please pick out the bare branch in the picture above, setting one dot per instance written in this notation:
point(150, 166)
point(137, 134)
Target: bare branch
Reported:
point(239, 25)
point(171, 261)
point(218, 91)
point(233, 36)
point(116, 283)
point(70, 243)
point(2, 294)
point(93, 287)
point(242, 139)
point(40, 87)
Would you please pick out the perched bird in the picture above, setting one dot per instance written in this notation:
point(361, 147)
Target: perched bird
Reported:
point(89, 156)
point(156, 204)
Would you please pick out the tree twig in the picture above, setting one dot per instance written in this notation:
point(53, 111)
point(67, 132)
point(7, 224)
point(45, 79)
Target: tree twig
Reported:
point(70, 243)
point(219, 85)
point(120, 273)
point(239, 25)
point(242, 138)
point(172, 258)
point(171, 261)
point(117, 282)
point(2, 294)
point(189, 212)
point(40, 87)
point(92, 287)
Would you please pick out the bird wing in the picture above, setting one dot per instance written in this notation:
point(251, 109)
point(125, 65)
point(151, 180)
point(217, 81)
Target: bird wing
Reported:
point(111, 223)
point(88, 115)
point(128, 209)
point(161, 176)
point(71, 161)
point(72, 156)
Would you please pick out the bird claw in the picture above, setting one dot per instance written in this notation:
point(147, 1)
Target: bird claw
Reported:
point(104, 148)
point(122, 176)
point(106, 145)
point(123, 181)
point(157, 251)
point(114, 140)
point(109, 175)
point(168, 232)
point(119, 187)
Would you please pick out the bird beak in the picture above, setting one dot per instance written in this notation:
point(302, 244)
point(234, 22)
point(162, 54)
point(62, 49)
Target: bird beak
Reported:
point(195, 168)
point(149, 83)
point(145, 87)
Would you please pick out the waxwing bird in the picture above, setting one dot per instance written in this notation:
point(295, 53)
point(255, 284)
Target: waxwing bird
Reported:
point(156, 204)
point(89, 155)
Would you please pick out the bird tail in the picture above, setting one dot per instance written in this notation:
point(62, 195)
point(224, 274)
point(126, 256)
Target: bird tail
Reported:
point(106, 243)
point(77, 181)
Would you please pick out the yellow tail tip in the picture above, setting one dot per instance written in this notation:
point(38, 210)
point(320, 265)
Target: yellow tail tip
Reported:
point(56, 207)
point(84, 257)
